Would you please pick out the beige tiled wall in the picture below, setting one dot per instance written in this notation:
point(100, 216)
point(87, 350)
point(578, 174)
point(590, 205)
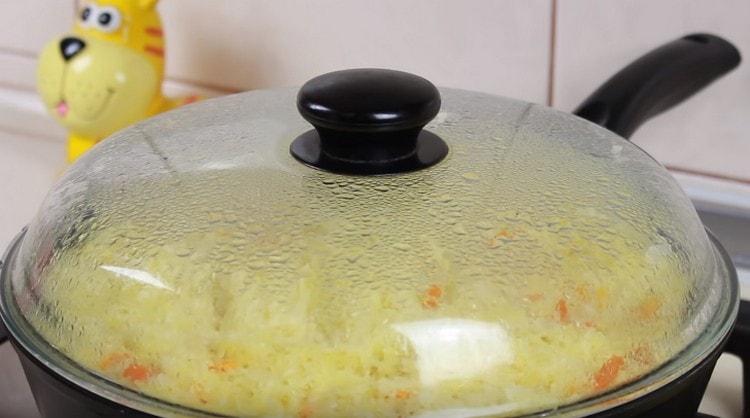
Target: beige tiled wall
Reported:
point(501, 47)
point(28, 167)
point(709, 133)
point(25, 25)
point(489, 45)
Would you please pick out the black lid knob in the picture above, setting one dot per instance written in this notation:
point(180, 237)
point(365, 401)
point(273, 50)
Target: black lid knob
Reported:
point(369, 121)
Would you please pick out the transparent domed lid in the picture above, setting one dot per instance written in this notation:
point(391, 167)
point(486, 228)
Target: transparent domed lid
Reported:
point(523, 260)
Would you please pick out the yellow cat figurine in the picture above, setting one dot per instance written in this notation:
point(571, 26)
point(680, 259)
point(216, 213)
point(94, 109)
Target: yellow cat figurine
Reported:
point(107, 73)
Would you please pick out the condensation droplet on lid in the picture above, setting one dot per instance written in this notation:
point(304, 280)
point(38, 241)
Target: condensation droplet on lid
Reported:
point(353, 254)
point(471, 176)
point(484, 225)
point(182, 251)
point(281, 258)
point(402, 246)
point(459, 229)
point(256, 265)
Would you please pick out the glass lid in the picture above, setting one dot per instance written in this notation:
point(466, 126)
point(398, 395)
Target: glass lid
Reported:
point(505, 260)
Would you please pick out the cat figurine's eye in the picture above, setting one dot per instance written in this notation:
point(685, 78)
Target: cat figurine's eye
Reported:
point(108, 19)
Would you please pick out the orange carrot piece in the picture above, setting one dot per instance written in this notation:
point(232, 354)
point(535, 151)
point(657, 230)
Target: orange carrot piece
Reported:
point(435, 291)
point(137, 373)
point(562, 310)
point(504, 233)
point(403, 394)
point(223, 366)
point(430, 303)
point(305, 411)
point(432, 297)
point(608, 372)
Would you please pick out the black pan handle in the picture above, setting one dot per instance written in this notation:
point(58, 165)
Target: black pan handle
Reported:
point(739, 345)
point(658, 81)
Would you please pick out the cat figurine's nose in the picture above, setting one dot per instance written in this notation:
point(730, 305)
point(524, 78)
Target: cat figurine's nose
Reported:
point(70, 47)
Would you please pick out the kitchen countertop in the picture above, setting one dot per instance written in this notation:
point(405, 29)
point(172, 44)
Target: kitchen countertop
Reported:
point(15, 396)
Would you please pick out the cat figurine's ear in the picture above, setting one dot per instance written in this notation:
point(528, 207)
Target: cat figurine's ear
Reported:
point(147, 4)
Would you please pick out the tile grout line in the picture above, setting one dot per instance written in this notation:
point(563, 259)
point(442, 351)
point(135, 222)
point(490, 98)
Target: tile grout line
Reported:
point(16, 87)
point(552, 54)
point(185, 81)
point(31, 135)
point(5, 50)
